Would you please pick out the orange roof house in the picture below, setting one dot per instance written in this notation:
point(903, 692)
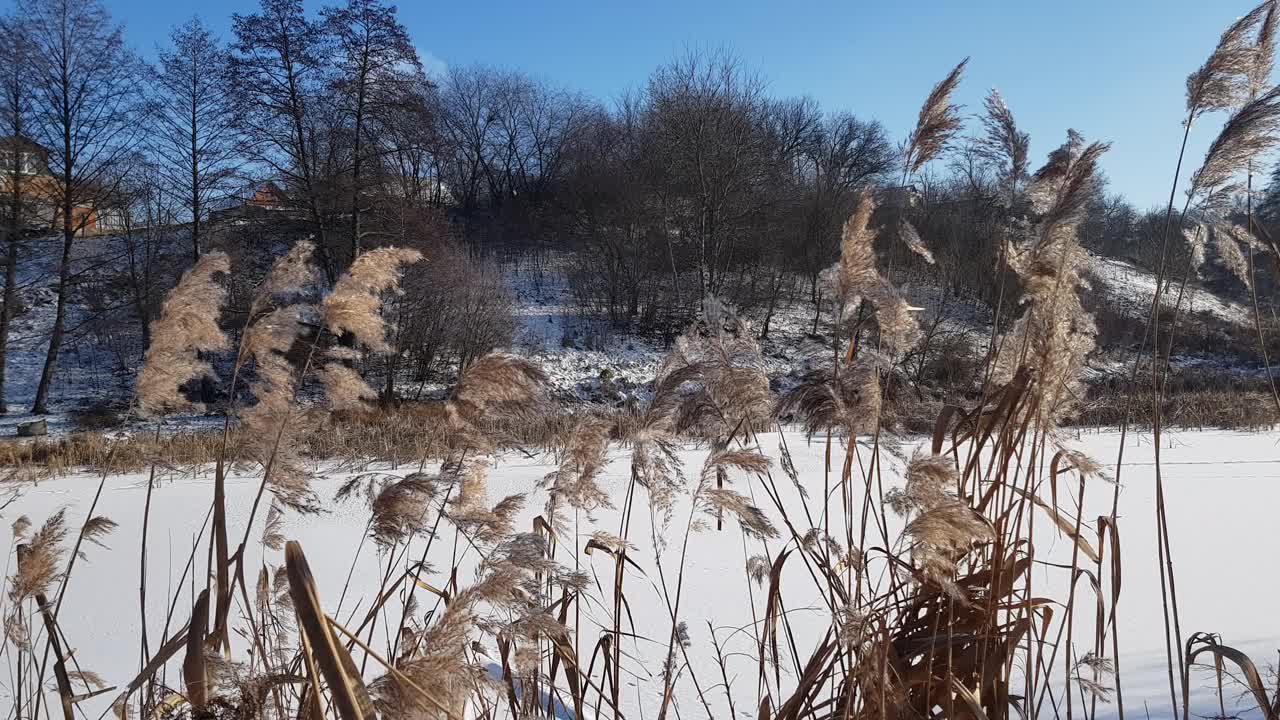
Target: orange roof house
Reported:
point(268, 195)
point(41, 190)
point(257, 200)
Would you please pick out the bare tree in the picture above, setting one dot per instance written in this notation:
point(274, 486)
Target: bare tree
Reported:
point(86, 113)
point(15, 108)
point(468, 113)
point(705, 112)
point(276, 66)
point(377, 66)
point(416, 147)
point(195, 132)
point(844, 155)
point(150, 243)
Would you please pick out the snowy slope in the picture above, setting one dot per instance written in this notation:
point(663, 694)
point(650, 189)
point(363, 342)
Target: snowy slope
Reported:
point(584, 357)
point(91, 367)
point(1134, 287)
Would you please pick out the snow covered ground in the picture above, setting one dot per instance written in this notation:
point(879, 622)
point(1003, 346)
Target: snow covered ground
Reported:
point(92, 366)
point(1134, 287)
point(1221, 498)
point(584, 356)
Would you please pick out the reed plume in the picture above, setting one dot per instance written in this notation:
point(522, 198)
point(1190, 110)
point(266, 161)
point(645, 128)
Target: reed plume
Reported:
point(718, 501)
point(731, 396)
point(650, 429)
point(434, 671)
point(187, 326)
point(928, 479)
point(856, 273)
point(291, 275)
point(1225, 79)
point(1227, 241)
point(938, 123)
point(857, 278)
point(941, 535)
point(1264, 51)
point(271, 437)
point(1195, 237)
point(354, 304)
point(41, 564)
point(344, 388)
point(399, 510)
point(824, 399)
point(574, 482)
point(1250, 132)
point(899, 330)
point(1002, 143)
point(942, 527)
point(909, 236)
point(1054, 334)
point(496, 383)
point(354, 307)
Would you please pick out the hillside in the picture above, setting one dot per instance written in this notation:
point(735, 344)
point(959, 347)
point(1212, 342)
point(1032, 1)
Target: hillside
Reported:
point(587, 358)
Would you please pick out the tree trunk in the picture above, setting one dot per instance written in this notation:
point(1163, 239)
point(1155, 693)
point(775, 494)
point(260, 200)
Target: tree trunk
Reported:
point(13, 236)
point(356, 168)
point(195, 184)
point(41, 404)
point(775, 291)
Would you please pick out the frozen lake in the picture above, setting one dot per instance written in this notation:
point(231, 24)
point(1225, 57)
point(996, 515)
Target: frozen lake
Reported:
point(1222, 492)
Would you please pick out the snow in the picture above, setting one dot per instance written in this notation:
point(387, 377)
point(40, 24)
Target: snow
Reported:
point(91, 365)
point(585, 357)
point(1220, 499)
point(1134, 287)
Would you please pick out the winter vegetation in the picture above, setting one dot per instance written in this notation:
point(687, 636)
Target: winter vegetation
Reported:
point(510, 404)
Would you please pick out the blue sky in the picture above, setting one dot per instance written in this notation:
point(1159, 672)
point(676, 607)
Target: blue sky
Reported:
point(1113, 70)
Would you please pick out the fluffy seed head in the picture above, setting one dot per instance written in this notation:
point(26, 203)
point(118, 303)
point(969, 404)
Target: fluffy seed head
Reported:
point(1248, 134)
point(188, 325)
point(938, 123)
point(1226, 77)
point(354, 304)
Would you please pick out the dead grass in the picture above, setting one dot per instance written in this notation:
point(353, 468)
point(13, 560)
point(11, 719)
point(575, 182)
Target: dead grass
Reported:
point(386, 434)
point(99, 452)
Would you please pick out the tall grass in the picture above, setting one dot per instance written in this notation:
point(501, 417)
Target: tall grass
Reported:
point(924, 572)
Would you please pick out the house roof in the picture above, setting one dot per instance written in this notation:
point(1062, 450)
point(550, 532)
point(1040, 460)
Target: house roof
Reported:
point(23, 144)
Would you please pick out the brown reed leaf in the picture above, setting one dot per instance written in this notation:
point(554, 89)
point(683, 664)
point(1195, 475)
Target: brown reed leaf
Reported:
point(346, 690)
point(195, 677)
